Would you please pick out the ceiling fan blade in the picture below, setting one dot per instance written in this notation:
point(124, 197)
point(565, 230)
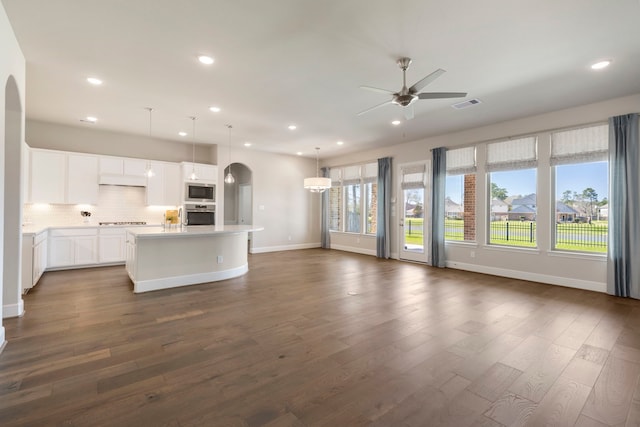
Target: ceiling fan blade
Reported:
point(377, 89)
point(374, 107)
point(440, 95)
point(408, 112)
point(422, 83)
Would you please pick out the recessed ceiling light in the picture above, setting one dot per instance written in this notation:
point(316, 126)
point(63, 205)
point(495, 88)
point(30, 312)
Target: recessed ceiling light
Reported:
point(600, 65)
point(91, 119)
point(396, 122)
point(247, 144)
point(292, 127)
point(214, 109)
point(207, 60)
point(182, 133)
point(94, 81)
point(339, 142)
point(299, 153)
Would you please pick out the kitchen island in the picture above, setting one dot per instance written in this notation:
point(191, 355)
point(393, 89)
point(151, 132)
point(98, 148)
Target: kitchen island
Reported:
point(161, 258)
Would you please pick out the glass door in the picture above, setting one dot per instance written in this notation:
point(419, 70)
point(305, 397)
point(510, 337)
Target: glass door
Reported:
point(414, 215)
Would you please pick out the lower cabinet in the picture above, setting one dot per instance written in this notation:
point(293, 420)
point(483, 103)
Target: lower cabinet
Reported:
point(34, 259)
point(130, 263)
point(73, 246)
point(111, 245)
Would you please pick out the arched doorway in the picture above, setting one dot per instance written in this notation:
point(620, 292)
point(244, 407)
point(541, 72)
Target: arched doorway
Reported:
point(238, 197)
point(11, 200)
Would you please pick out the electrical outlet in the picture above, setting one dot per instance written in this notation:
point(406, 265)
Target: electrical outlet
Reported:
point(472, 254)
point(289, 238)
point(219, 259)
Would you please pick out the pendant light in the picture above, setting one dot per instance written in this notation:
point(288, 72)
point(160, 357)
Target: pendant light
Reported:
point(317, 184)
point(193, 176)
point(148, 171)
point(229, 179)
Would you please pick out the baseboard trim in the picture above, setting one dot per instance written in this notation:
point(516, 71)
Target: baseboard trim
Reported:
point(187, 280)
point(354, 249)
point(533, 277)
point(76, 267)
point(266, 249)
point(13, 310)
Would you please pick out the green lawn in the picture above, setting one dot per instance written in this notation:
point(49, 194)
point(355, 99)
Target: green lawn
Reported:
point(454, 231)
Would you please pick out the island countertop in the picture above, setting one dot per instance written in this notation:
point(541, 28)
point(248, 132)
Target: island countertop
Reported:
point(191, 231)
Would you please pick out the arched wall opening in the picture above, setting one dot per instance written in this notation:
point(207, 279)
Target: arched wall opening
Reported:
point(11, 199)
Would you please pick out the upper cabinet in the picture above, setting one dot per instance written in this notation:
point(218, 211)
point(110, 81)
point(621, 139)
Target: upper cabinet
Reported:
point(123, 171)
point(59, 177)
point(163, 187)
point(82, 179)
point(204, 173)
point(48, 176)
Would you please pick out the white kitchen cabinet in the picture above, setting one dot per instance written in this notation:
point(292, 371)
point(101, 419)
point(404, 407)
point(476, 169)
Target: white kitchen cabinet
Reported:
point(82, 179)
point(122, 166)
point(73, 246)
point(48, 176)
point(130, 255)
point(172, 184)
point(163, 188)
point(39, 257)
point(204, 173)
point(111, 245)
point(34, 258)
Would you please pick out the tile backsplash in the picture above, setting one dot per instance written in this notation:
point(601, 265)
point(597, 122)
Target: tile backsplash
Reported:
point(115, 203)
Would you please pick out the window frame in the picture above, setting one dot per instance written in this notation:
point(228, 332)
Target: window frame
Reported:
point(364, 177)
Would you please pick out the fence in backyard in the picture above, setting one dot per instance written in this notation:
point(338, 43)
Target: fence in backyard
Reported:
point(577, 236)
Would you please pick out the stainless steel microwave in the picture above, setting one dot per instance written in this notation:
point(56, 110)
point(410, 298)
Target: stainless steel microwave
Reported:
point(198, 192)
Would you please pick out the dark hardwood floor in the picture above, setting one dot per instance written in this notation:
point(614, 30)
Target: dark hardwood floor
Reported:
point(321, 338)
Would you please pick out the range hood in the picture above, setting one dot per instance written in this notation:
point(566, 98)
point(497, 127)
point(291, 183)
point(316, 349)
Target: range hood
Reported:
point(124, 180)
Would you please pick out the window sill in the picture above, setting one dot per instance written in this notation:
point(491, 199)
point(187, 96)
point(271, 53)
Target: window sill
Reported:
point(461, 243)
point(578, 255)
point(532, 251)
point(348, 233)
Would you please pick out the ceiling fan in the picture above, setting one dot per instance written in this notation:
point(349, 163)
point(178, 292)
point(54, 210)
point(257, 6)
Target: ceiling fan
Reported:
point(407, 96)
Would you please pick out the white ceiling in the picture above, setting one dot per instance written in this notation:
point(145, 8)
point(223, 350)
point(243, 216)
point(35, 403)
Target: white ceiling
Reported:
point(302, 61)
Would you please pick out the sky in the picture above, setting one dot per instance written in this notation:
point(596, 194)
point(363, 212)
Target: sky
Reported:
point(575, 177)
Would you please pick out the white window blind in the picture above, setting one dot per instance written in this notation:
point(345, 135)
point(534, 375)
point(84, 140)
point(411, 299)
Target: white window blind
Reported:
point(590, 144)
point(461, 161)
point(351, 175)
point(413, 176)
point(336, 176)
point(370, 172)
point(513, 154)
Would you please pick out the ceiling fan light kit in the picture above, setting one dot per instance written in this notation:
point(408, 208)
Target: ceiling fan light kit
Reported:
point(406, 96)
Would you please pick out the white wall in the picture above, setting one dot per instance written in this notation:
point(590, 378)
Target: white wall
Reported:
point(544, 265)
point(289, 214)
point(89, 139)
point(12, 64)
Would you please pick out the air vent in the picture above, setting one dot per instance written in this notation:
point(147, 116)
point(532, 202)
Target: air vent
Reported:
point(466, 104)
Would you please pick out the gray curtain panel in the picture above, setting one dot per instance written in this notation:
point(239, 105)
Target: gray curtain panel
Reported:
point(383, 247)
point(623, 266)
point(325, 236)
point(437, 206)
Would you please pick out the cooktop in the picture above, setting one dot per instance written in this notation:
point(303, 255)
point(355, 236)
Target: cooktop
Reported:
point(123, 223)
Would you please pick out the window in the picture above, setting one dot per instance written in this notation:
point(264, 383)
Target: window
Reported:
point(460, 199)
point(335, 200)
point(353, 199)
point(580, 161)
point(511, 166)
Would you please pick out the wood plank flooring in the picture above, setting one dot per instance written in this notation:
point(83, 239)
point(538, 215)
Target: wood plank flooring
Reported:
point(321, 338)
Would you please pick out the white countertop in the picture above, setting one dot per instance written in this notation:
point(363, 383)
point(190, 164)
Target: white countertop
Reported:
point(197, 230)
point(36, 229)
